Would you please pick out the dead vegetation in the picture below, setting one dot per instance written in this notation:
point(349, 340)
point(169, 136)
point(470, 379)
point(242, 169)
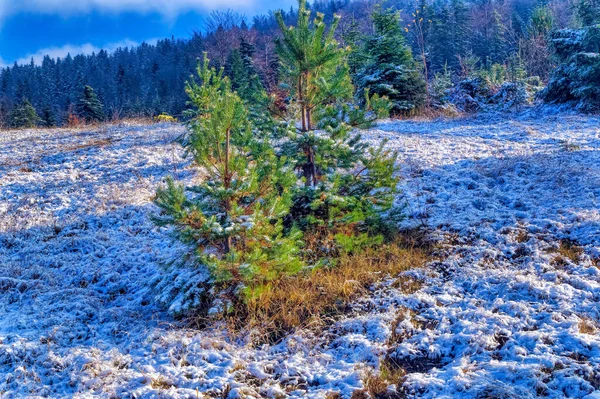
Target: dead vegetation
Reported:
point(587, 325)
point(311, 298)
point(567, 251)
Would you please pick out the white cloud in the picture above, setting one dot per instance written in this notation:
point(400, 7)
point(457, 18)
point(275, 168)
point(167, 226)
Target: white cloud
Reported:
point(86, 49)
point(165, 7)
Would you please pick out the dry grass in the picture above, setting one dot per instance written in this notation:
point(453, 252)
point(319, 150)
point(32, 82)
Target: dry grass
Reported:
point(522, 236)
point(570, 249)
point(567, 249)
point(311, 298)
point(381, 386)
point(588, 326)
point(161, 383)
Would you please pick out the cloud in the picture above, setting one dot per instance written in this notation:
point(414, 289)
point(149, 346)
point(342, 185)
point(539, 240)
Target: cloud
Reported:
point(165, 7)
point(86, 49)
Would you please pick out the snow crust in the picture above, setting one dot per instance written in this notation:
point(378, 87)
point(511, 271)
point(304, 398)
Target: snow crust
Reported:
point(501, 313)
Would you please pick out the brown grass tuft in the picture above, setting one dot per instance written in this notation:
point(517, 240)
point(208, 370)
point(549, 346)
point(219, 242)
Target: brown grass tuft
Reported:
point(381, 386)
point(522, 236)
point(570, 249)
point(588, 326)
point(160, 383)
point(312, 297)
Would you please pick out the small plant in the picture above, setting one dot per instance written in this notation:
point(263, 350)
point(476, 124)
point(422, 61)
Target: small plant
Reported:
point(284, 208)
point(233, 219)
point(165, 118)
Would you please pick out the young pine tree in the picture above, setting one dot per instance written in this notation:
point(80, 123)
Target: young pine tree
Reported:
point(391, 70)
point(24, 115)
point(233, 219)
point(89, 106)
point(344, 186)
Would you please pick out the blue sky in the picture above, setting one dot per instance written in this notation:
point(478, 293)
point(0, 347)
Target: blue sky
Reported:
point(32, 28)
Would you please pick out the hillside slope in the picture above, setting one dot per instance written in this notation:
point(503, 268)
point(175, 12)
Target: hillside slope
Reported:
point(511, 308)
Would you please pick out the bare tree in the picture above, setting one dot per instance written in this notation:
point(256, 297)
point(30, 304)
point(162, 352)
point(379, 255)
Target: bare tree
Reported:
point(222, 34)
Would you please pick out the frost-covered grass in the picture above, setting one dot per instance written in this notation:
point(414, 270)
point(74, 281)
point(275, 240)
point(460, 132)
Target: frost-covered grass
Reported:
point(510, 309)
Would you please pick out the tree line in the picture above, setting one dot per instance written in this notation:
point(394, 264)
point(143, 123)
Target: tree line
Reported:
point(413, 54)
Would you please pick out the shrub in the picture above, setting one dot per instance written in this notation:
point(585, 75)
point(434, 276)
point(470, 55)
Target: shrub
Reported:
point(576, 81)
point(165, 118)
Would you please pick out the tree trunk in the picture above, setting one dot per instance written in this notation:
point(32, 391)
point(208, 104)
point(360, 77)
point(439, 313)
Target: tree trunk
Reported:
point(301, 101)
point(227, 184)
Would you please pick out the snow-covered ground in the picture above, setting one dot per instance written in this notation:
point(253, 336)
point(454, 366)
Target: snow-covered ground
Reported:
point(501, 313)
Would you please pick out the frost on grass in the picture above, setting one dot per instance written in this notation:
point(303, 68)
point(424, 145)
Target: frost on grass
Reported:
point(510, 308)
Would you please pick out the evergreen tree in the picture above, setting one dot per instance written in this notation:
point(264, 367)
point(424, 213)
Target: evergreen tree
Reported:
point(498, 43)
point(24, 115)
point(234, 218)
point(588, 12)
point(346, 186)
point(244, 77)
point(577, 78)
point(47, 118)
point(89, 106)
point(391, 70)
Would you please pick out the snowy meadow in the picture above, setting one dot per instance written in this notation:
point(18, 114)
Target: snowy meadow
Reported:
point(508, 307)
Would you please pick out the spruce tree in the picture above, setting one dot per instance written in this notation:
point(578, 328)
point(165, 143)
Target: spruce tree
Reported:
point(233, 219)
point(24, 115)
point(345, 186)
point(244, 77)
point(576, 80)
point(47, 118)
point(89, 106)
point(391, 70)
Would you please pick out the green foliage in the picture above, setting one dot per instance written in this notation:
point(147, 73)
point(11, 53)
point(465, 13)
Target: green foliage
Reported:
point(389, 69)
point(577, 79)
point(441, 87)
point(588, 12)
point(234, 217)
point(345, 185)
point(242, 73)
point(47, 118)
point(89, 106)
point(24, 115)
point(313, 64)
point(542, 21)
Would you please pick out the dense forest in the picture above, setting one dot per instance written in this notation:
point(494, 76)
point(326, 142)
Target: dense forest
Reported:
point(466, 53)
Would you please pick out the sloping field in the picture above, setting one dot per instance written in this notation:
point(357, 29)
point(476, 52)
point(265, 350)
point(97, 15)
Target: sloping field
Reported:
point(510, 309)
